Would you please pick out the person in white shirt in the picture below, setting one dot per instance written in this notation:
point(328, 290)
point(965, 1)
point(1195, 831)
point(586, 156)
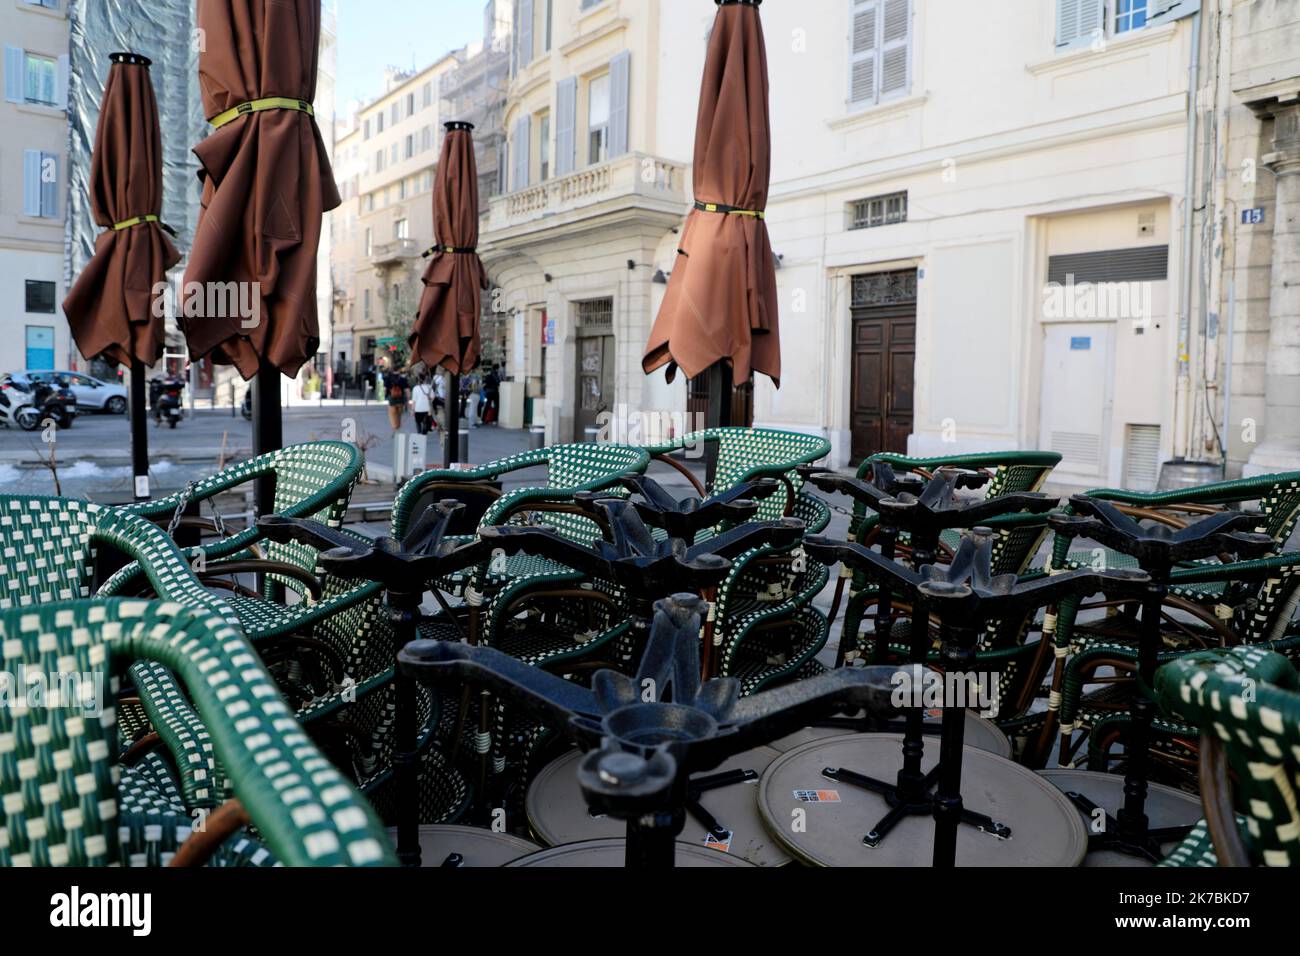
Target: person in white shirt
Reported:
point(422, 403)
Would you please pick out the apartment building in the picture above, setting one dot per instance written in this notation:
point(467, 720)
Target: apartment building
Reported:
point(600, 122)
point(385, 161)
point(33, 191)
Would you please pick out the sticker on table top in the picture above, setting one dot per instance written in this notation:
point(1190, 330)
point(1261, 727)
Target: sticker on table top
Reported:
point(817, 796)
point(722, 841)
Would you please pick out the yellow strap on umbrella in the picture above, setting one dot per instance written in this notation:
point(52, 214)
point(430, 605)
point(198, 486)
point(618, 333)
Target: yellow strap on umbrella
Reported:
point(729, 210)
point(260, 106)
point(133, 221)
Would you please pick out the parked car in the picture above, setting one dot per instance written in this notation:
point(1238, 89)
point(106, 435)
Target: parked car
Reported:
point(92, 394)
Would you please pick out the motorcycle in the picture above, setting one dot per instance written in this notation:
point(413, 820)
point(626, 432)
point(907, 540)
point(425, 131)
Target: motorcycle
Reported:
point(17, 407)
point(166, 400)
point(55, 401)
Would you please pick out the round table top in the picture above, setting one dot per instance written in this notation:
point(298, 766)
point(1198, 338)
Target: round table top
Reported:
point(822, 821)
point(611, 853)
point(1165, 807)
point(981, 733)
point(478, 847)
point(558, 813)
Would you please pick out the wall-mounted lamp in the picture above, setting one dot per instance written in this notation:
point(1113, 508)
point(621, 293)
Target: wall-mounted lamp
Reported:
point(777, 260)
point(660, 277)
point(548, 276)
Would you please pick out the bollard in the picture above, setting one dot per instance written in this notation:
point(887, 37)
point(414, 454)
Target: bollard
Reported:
point(536, 437)
point(462, 446)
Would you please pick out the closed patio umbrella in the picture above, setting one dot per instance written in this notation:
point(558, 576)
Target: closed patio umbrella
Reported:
point(267, 183)
point(720, 309)
point(446, 330)
point(111, 306)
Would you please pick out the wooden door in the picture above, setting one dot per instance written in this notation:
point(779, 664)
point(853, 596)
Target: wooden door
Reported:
point(883, 362)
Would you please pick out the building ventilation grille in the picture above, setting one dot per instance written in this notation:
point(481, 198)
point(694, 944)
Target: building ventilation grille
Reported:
point(1141, 457)
point(1077, 448)
point(1142, 264)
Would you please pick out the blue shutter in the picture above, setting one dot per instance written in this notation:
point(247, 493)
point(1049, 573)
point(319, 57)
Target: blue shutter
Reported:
point(566, 103)
point(61, 83)
point(619, 75)
point(521, 152)
point(31, 182)
point(525, 32)
point(50, 186)
point(14, 61)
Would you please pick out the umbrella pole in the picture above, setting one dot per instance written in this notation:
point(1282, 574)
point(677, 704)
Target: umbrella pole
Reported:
point(139, 433)
point(452, 436)
point(718, 414)
point(268, 436)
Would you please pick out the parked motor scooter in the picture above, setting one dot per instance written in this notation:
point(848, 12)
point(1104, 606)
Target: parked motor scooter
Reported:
point(54, 401)
point(165, 395)
point(17, 406)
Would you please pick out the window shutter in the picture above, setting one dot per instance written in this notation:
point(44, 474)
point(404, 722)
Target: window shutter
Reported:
point(566, 103)
point(1067, 22)
point(31, 182)
point(521, 153)
point(862, 66)
point(525, 32)
point(619, 75)
point(1078, 19)
point(896, 37)
point(50, 190)
point(14, 60)
point(61, 83)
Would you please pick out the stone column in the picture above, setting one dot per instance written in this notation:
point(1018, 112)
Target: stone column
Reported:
point(1279, 448)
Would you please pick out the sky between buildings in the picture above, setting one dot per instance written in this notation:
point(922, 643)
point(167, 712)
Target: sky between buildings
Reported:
point(374, 34)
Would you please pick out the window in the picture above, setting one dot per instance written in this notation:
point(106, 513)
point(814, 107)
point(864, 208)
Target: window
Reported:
point(379, 122)
point(878, 211)
point(410, 104)
point(588, 4)
point(426, 139)
point(1079, 22)
point(546, 34)
point(402, 229)
point(1130, 15)
point(880, 51)
point(397, 115)
point(40, 184)
point(394, 155)
point(544, 145)
point(428, 95)
point(40, 296)
point(401, 189)
point(365, 130)
point(365, 299)
point(39, 82)
point(410, 145)
point(379, 161)
point(370, 248)
point(426, 183)
point(368, 203)
point(598, 120)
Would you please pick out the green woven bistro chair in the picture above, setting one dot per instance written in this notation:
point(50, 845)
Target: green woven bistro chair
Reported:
point(1245, 703)
point(1009, 472)
point(1265, 618)
point(1209, 603)
point(757, 622)
point(65, 801)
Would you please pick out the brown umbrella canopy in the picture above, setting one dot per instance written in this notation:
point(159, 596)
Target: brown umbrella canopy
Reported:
point(721, 299)
point(111, 306)
point(446, 331)
point(267, 183)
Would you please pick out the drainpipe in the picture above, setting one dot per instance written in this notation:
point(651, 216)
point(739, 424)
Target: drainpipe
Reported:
point(1182, 394)
point(1214, 305)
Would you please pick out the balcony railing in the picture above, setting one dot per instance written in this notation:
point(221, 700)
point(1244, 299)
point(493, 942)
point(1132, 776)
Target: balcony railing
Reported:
point(634, 178)
point(395, 251)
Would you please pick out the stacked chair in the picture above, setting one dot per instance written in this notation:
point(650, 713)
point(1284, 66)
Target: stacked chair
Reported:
point(1211, 603)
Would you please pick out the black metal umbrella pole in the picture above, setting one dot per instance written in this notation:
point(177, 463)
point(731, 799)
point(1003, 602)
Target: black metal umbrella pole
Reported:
point(1157, 549)
point(965, 596)
point(645, 735)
